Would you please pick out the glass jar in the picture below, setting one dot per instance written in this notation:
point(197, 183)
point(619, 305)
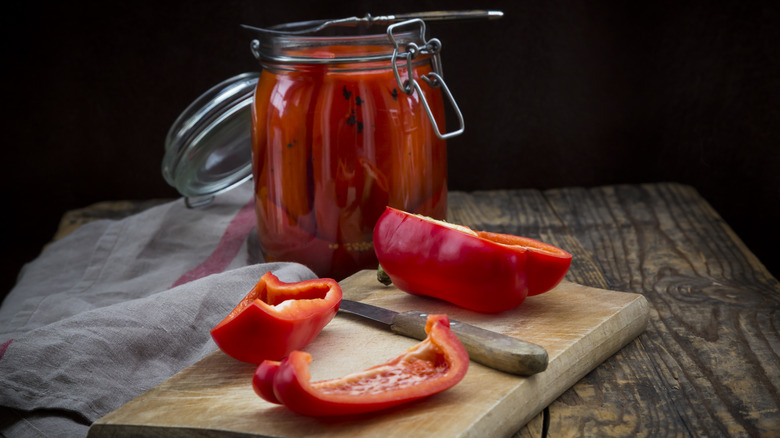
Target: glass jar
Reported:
point(343, 119)
point(339, 131)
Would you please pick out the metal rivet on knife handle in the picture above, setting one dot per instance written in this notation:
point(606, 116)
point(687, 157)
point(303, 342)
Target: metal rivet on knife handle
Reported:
point(491, 349)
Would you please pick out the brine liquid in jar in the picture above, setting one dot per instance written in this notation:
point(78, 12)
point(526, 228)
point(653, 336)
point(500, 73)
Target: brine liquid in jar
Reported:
point(333, 144)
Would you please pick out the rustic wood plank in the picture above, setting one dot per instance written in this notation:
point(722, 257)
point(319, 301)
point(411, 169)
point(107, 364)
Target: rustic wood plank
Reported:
point(529, 213)
point(214, 397)
point(708, 363)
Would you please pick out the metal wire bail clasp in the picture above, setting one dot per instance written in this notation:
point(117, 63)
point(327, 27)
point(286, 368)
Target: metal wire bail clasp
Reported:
point(433, 79)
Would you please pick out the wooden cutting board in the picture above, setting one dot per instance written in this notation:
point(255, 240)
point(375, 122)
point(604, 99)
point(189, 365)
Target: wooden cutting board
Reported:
point(579, 326)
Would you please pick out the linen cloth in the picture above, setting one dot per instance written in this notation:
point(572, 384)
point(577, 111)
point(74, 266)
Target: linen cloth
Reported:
point(117, 307)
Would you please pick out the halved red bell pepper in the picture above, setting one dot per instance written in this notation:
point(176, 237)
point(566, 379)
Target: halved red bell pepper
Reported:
point(479, 270)
point(276, 318)
point(432, 366)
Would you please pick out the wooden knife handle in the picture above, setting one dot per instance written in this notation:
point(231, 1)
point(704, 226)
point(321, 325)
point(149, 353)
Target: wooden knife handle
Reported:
point(497, 351)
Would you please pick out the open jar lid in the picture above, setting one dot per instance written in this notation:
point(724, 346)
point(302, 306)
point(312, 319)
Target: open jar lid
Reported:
point(208, 149)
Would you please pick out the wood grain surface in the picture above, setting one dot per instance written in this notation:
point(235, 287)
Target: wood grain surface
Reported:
point(709, 362)
point(579, 326)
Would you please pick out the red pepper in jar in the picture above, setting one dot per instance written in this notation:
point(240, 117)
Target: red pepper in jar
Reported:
point(276, 318)
point(478, 270)
point(332, 146)
point(434, 365)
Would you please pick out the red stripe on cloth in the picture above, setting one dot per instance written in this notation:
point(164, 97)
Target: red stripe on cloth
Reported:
point(4, 346)
point(227, 249)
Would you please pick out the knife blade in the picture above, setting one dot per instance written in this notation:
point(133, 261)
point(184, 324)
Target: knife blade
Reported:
point(495, 350)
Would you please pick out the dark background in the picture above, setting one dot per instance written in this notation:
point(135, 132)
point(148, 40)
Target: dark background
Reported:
point(557, 93)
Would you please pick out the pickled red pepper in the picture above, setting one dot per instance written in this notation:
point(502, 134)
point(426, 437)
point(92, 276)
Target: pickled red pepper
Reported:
point(333, 145)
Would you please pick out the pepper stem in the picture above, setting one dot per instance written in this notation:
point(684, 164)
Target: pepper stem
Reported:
point(382, 276)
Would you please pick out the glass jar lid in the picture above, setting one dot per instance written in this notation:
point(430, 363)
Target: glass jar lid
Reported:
point(208, 149)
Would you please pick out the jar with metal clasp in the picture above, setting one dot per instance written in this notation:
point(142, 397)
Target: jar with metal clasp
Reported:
point(345, 118)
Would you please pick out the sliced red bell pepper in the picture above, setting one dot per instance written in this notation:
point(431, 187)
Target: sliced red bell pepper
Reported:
point(276, 318)
point(432, 366)
point(478, 270)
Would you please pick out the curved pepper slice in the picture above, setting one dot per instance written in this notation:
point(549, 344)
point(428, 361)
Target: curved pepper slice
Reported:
point(432, 366)
point(478, 270)
point(276, 318)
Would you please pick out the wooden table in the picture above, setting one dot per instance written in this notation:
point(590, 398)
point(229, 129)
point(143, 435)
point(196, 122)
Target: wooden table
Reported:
point(708, 363)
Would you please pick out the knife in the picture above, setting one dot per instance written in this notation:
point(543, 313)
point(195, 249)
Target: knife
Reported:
point(495, 350)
